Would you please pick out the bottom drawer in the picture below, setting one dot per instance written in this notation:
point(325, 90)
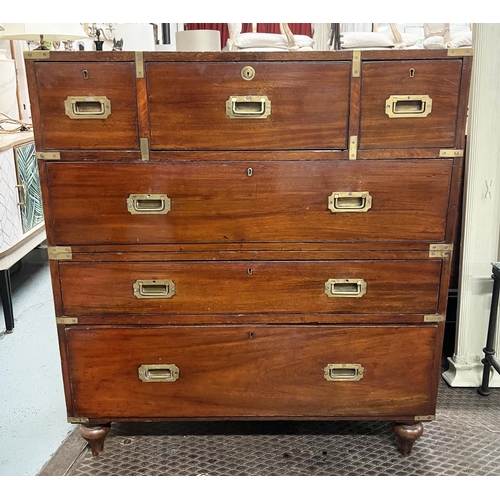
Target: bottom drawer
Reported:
point(252, 371)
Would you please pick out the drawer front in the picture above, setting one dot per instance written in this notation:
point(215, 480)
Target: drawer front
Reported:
point(104, 288)
point(88, 105)
point(305, 105)
point(217, 202)
point(401, 110)
point(252, 371)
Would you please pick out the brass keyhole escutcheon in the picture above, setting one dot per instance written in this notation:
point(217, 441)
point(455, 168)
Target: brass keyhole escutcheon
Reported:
point(85, 74)
point(412, 72)
point(247, 73)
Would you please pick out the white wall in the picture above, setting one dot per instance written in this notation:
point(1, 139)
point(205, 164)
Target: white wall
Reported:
point(481, 223)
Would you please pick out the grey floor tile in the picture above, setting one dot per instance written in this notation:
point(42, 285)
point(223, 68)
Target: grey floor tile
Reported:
point(463, 441)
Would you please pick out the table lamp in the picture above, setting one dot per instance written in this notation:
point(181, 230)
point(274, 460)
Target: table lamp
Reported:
point(55, 32)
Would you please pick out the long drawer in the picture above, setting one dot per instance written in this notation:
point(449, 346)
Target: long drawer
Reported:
point(241, 106)
point(248, 371)
point(221, 287)
point(288, 201)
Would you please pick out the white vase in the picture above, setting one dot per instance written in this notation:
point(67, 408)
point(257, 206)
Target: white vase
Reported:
point(8, 84)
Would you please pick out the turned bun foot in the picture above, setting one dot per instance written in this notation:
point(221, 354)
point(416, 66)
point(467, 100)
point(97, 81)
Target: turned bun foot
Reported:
point(95, 434)
point(407, 434)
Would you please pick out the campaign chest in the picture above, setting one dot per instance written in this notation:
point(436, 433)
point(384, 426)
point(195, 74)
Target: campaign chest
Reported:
point(250, 235)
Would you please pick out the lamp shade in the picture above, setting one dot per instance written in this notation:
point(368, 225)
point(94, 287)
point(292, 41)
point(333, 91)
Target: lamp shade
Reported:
point(198, 41)
point(55, 32)
point(8, 83)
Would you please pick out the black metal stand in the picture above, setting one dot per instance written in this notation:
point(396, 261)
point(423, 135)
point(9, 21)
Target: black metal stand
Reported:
point(6, 294)
point(334, 41)
point(489, 360)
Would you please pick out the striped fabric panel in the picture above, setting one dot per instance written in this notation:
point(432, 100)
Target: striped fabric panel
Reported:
point(27, 168)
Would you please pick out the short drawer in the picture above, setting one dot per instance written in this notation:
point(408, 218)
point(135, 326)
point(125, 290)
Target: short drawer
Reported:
point(409, 103)
point(252, 371)
point(216, 106)
point(87, 105)
point(221, 287)
point(219, 202)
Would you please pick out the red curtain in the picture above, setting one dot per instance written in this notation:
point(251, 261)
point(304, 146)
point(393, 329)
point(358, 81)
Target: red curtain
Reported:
point(296, 28)
point(301, 28)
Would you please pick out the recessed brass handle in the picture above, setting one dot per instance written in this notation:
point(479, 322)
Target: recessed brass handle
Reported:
point(158, 373)
point(345, 288)
point(154, 289)
point(250, 106)
point(408, 106)
point(350, 201)
point(24, 198)
point(345, 372)
point(87, 107)
point(148, 204)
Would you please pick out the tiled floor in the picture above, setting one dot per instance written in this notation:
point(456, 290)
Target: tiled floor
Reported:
point(464, 440)
point(32, 408)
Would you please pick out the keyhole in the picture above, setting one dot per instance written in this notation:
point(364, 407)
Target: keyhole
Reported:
point(412, 72)
point(250, 172)
point(85, 74)
point(250, 271)
point(247, 73)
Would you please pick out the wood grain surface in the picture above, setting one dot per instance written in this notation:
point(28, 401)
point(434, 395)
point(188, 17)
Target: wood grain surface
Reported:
point(116, 81)
point(252, 371)
point(250, 287)
point(309, 102)
point(249, 240)
point(440, 80)
point(218, 202)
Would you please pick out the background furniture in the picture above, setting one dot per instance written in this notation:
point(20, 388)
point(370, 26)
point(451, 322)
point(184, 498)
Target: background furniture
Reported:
point(280, 247)
point(21, 215)
point(489, 360)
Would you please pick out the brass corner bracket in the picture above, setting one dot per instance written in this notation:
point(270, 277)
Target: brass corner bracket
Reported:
point(139, 65)
point(144, 145)
point(461, 52)
point(451, 153)
point(356, 63)
point(434, 318)
point(66, 320)
point(52, 155)
point(78, 420)
point(60, 253)
point(353, 147)
point(436, 251)
point(423, 418)
point(36, 54)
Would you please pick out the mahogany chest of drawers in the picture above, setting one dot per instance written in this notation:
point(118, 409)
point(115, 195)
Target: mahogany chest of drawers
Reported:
point(250, 235)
